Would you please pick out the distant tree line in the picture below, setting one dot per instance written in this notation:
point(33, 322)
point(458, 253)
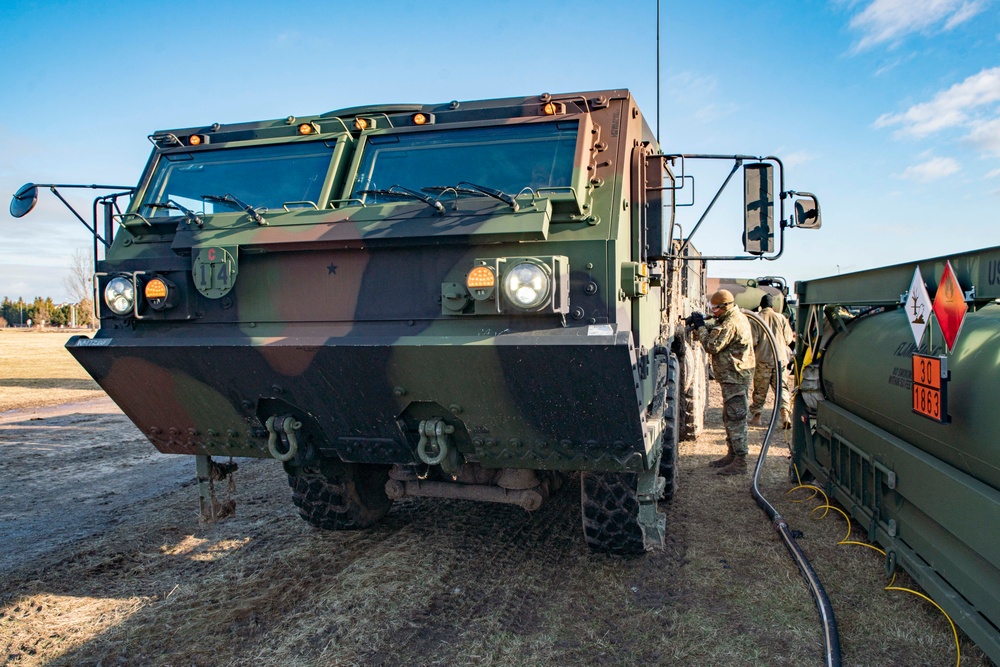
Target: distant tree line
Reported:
point(43, 312)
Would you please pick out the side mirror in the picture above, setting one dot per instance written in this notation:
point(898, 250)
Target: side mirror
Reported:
point(24, 200)
point(807, 212)
point(758, 219)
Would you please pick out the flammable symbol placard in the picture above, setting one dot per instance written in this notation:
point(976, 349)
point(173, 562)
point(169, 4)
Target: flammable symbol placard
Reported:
point(950, 306)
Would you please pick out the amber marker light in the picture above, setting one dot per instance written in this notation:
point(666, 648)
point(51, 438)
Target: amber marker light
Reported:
point(480, 277)
point(361, 123)
point(305, 128)
point(549, 109)
point(419, 119)
point(195, 140)
point(156, 289)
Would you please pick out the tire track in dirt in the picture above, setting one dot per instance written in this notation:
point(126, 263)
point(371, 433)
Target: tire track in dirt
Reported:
point(490, 547)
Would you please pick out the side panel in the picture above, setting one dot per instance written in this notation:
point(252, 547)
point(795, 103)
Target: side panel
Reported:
point(927, 491)
point(934, 520)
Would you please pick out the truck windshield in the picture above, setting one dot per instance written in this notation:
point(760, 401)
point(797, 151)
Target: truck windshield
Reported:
point(267, 176)
point(508, 158)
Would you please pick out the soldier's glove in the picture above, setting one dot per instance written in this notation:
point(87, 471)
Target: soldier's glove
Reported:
point(694, 321)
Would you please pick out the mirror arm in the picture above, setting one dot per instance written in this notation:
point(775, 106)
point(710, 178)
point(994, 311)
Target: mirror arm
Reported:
point(737, 163)
point(781, 195)
point(793, 193)
point(92, 230)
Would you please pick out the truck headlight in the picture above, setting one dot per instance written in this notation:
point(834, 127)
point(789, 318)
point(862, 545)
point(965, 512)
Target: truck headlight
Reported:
point(119, 294)
point(526, 286)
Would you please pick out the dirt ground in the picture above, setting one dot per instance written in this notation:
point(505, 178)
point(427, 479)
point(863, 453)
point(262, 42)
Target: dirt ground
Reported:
point(105, 563)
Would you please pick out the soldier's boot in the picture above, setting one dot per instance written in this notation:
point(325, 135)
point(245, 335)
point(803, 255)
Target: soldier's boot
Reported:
point(786, 419)
point(738, 466)
point(756, 419)
point(725, 460)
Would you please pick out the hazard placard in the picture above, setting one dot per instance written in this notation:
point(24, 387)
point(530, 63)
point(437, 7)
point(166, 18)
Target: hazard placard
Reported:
point(918, 306)
point(950, 306)
point(930, 387)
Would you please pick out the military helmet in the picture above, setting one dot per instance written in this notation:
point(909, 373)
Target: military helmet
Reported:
point(722, 299)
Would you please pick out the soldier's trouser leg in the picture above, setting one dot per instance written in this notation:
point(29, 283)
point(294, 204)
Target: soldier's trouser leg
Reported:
point(761, 381)
point(734, 416)
point(786, 390)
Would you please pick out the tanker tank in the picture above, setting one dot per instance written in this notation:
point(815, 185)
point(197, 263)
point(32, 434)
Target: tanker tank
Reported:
point(868, 371)
point(914, 460)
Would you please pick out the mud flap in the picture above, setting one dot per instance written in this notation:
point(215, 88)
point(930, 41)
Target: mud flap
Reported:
point(652, 521)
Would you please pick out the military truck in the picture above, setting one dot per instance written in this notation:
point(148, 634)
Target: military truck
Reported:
point(895, 419)
point(748, 292)
point(465, 300)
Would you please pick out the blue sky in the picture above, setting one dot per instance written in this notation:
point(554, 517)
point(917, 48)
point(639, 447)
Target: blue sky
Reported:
point(889, 110)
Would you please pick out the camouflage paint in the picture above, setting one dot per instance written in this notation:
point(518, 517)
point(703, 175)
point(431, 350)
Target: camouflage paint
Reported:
point(335, 313)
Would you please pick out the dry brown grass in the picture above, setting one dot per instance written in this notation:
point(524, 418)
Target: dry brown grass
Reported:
point(459, 583)
point(37, 370)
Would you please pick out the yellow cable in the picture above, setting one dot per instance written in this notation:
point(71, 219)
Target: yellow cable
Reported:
point(816, 490)
point(890, 587)
point(958, 648)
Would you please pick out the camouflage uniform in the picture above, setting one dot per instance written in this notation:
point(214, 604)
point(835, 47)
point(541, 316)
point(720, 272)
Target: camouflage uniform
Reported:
point(731, 345)
point(767, 372)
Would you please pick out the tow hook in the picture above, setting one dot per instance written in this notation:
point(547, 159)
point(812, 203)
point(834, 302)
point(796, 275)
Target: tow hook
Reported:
point(283, 428)
point(434, 447)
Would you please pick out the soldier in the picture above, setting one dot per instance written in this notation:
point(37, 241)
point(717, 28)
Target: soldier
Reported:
point(769, 369)
point(730, 343)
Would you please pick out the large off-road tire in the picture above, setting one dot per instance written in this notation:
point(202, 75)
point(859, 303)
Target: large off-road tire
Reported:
point(340, 496)
point(610, 508)
point(671, 429)
point(693, 397)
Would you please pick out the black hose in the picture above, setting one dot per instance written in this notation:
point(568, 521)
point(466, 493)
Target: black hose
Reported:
point(831, 639)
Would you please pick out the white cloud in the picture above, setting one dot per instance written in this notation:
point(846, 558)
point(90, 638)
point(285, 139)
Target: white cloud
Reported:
point(949, 108)
point(796, 158)
point(985, 134)
point(892, 20)
point(971, 106)
point(993, 174)
point(931, 170)
point(713, 112)
point(688, 82)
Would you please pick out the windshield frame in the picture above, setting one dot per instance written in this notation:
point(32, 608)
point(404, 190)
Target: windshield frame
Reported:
point(339, 143)
point(579, 180)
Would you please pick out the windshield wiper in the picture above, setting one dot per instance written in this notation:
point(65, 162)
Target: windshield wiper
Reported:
point(233, 201)
point(400, 191)
point(176, 206)
point(496, 194)
point(473, 189)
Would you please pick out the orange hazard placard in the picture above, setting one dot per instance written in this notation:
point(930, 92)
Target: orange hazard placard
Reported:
point(930, 383)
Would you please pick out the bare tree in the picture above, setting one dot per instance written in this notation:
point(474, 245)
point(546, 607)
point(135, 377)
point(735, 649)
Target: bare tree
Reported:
point(80, 286)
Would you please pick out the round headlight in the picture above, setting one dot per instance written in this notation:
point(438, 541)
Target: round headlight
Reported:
point(119, 295)
point(526, 286)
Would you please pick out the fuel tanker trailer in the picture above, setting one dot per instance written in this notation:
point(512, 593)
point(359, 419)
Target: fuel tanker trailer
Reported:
point(897, 419)
point(465, 300)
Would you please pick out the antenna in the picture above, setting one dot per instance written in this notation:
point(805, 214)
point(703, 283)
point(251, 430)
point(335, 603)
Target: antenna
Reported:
point(658, 71)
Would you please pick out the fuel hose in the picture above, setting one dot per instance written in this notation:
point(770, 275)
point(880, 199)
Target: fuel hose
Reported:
point(831, 639)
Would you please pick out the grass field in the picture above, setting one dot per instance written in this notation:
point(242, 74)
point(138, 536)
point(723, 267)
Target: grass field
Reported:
point(36, 370)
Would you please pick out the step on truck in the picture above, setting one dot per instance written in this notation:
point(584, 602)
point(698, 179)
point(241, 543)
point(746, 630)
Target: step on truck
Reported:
point(469, 300)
